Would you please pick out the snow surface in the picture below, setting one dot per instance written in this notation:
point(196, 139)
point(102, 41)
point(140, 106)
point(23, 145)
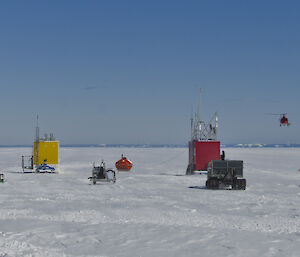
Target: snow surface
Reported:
point(152, 211)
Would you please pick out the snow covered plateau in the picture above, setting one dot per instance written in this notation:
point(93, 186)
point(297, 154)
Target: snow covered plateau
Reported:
point(154, 210)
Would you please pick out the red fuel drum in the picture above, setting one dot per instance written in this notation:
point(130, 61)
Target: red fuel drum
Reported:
point(123, 164)
point(202, 152)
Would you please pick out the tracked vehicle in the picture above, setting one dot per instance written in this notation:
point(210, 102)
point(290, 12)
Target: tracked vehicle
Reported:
point(225, 174)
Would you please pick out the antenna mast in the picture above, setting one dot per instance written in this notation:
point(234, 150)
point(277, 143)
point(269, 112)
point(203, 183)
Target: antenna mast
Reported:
point(37, 139)
point(200, 106)
point(192, 125)
point(216, 125)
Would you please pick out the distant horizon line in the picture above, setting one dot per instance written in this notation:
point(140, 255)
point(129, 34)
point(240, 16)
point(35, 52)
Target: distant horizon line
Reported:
point(238, 145)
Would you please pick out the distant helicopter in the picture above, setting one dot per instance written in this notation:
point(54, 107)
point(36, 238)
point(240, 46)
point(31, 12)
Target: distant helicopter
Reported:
point(284, 121)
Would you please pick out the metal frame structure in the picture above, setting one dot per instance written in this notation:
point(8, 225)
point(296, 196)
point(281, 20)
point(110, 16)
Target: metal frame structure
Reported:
point(202, 131)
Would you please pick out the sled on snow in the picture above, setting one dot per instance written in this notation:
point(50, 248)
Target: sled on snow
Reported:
point(123, 164)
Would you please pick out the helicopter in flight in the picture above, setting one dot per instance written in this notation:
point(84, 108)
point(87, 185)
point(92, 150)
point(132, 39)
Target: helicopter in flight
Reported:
point(284, 121)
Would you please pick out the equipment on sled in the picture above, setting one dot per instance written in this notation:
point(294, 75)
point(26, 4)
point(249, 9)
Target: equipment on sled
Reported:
point(101, 174)
point(225, 174)
point(1, 178)
point(123, 164)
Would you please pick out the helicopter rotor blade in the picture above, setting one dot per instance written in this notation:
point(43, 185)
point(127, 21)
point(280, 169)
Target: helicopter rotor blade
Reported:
point(276, 113)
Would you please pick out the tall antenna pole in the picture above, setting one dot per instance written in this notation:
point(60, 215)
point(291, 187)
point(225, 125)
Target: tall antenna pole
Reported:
point(37, 139)
point(200, 105)
point(200, 122)
point(192, 123)
point(217, 125)
point(37, 129)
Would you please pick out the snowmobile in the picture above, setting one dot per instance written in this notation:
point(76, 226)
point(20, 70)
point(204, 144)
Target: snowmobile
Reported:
point(102, 175)
point(44, 168)
point(225, 174)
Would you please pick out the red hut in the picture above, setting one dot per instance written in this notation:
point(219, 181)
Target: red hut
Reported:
point(124, 164)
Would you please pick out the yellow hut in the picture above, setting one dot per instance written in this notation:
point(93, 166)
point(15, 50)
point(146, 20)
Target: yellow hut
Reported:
point(45, 153)
point(45, 149)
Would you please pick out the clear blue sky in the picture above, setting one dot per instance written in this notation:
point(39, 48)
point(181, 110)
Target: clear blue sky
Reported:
point(130, 71)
